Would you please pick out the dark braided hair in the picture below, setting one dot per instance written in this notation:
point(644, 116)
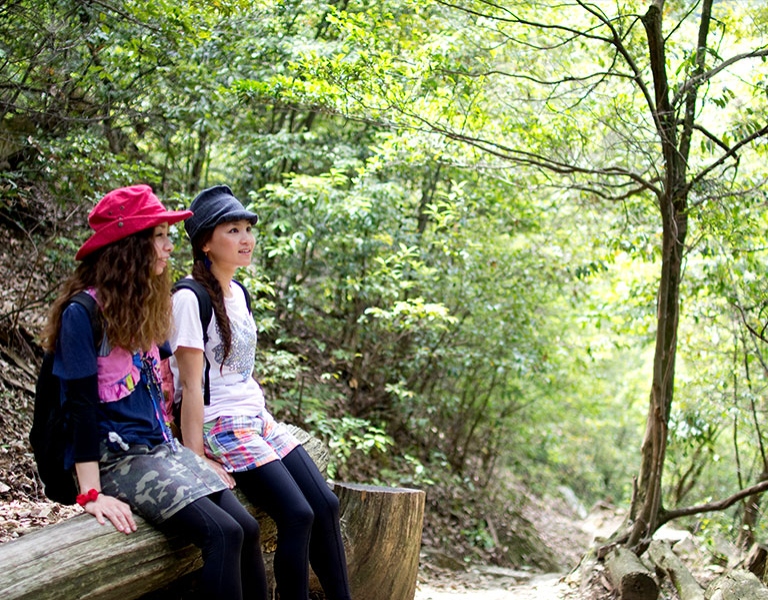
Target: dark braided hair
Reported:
point(202, 273)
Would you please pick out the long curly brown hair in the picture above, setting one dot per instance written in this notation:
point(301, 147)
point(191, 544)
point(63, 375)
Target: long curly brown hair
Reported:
point(202, 273)
point(135, 302)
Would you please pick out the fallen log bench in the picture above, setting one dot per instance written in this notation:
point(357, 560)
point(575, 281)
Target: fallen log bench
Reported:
point(78, 559)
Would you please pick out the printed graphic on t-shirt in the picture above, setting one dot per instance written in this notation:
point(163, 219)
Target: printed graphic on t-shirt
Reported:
point(240, 359)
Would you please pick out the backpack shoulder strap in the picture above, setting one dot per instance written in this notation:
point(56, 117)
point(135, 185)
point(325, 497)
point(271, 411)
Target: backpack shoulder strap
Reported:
point(88, 302)
point(203, 301)
point(205, 308)
point(245, 292)
point(206, 314)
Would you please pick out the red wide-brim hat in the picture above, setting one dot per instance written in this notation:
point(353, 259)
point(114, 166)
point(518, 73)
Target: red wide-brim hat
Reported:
point(123, 212)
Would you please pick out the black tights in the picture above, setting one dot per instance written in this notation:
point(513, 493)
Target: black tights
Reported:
point(228, 537)
point(294, 493)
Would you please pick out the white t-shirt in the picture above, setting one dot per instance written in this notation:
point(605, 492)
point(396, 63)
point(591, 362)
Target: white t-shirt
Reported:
point(234, 391)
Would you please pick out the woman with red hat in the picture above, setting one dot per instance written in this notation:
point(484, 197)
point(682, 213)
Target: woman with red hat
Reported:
point(125, 458)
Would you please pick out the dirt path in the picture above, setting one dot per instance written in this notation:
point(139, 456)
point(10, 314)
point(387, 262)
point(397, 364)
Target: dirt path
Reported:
point(568, 536)
point(538, 587)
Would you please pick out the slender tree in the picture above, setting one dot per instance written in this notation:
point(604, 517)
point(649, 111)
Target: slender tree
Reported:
point(619, 102)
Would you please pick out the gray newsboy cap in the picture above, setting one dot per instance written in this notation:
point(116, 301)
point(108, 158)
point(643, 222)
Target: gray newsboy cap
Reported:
point(214, 206)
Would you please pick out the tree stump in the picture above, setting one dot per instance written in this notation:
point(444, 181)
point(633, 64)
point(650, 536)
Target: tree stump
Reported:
point(630, 576)
point(382, 530)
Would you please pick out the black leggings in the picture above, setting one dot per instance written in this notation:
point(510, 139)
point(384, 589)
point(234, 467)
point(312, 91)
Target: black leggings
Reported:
point(228, 537)
point(294, 493)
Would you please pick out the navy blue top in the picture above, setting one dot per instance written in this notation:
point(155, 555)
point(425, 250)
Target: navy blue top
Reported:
point(134, 419)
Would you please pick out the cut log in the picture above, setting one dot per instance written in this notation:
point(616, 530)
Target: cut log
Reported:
point(737, 585)
point(382, 528)
point(670, 564)
point(81, 559)
point(630, 576)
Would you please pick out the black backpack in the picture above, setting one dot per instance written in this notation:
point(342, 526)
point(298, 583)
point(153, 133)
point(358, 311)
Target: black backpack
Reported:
point(206, 314)
point(51, 433)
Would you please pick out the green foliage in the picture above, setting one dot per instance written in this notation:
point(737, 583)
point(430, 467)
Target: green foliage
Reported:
point(348, 435)
point(459, 239)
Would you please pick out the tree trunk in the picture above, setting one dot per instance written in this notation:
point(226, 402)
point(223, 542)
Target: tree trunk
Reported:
point(673, 205)
point(198, 162)
point(668, 562)
point(751, 515)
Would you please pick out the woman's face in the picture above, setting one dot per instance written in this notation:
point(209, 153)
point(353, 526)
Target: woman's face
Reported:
point(231, 244)
point(163, 247)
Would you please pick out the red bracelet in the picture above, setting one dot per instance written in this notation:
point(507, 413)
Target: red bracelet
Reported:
point(90, 496)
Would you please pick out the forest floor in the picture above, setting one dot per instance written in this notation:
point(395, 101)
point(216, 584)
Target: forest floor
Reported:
point(540, 587)
point(585, 580)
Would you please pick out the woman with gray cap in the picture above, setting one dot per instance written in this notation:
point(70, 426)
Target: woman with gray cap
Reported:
point(223, 414)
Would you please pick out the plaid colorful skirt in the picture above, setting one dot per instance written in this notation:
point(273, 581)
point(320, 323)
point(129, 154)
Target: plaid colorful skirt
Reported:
point(242, 443)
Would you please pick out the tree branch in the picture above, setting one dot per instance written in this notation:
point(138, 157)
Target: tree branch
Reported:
point(731, 153)
point(573, 33)
point(711, 136)
point(707, 75)
point(692, 92)
point(670, 515)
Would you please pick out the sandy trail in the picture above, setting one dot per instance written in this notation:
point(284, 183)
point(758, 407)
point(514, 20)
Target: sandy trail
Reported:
point(538, 587)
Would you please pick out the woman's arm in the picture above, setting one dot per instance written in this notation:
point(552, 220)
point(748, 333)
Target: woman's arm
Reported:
point(190, 363)
point(78, 361)
point(81, 395)
point(118, 512)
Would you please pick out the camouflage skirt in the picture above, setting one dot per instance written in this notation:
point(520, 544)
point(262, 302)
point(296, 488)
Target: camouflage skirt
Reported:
point(157, 482)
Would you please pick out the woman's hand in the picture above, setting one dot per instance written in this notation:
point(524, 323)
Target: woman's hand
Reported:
point(104, 507)
point(118, 512)
point(227, 478)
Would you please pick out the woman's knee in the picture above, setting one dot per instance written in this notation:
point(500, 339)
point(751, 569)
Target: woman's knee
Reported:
point(333, 504)
point(230, 531)
point(328, 506)
point(299, 516)
point(305, 514)
point(251, 530)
